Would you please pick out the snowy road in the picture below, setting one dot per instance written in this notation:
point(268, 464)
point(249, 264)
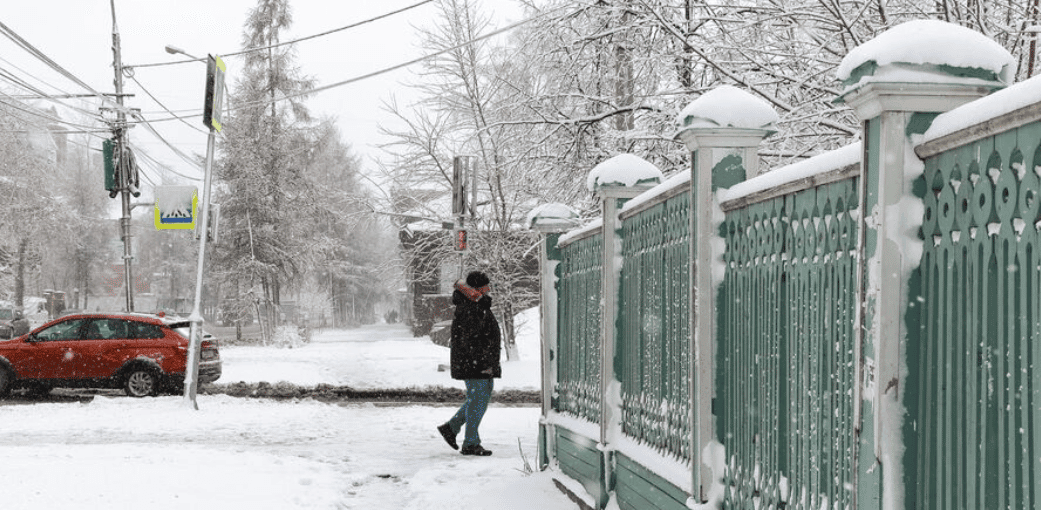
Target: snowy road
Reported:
point(376, 356)
point(237, 453)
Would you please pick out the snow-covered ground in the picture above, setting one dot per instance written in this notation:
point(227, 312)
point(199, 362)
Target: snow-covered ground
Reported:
point(234, 453)
point(378, 356)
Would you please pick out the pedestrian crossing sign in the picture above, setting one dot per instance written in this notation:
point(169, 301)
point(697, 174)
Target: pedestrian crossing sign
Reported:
point(176, 207)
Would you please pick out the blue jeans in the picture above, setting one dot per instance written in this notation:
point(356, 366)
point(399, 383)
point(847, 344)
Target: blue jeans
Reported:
point(478, 391)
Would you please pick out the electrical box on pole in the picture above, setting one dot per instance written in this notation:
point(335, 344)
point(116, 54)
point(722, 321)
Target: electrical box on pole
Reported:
point(108, 154)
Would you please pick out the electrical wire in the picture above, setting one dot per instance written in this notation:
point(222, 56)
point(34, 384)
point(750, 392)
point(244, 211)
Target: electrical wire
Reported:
point(39, 94)
point(138, 150)
point(381, 71)
point(148, 126)
point(20, 106)
point(294, 41)
point(160, 103)
point(32, 50)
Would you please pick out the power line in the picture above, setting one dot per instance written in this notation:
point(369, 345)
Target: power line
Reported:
point(40, 94)
point(294, 41)
point(22, 107)
point(381, 71)
point(148, 126)
point(32, 50)
point(158, 102)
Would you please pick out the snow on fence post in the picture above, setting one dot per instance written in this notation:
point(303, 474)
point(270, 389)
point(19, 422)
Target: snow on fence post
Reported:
point(723, 129)
point(615, 181)
point(550, 220)
point(898, 83)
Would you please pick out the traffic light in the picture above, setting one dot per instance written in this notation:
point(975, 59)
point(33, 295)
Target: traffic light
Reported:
point(461, 241)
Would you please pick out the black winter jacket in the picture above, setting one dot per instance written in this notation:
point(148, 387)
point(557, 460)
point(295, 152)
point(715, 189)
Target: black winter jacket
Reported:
point(475, 339)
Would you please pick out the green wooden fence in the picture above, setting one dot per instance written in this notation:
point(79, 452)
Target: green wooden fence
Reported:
point(578, 360)
point(785, 359)
point(976, 367)
point(653, 361)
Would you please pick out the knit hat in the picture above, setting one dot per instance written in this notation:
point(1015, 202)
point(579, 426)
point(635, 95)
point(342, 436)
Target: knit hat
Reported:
point(477, 279)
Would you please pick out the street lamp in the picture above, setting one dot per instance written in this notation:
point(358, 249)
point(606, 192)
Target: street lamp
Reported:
point(174, 50)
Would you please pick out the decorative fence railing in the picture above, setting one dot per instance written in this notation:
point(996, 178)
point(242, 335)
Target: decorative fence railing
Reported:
point(977, 365)
point(578, 366)
point(861, 330)
point(654, 358)
point(785, 373)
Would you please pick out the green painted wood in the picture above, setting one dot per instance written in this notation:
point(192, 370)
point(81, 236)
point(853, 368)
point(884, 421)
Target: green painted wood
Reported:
point(785, 348)
point(581, 461)
point(653, 360)
point(636, 493)
point(633, 477)
point(975, 364)
point(577, 390)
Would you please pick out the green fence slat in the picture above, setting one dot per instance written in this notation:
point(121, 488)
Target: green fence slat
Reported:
point(976, 412)
point(785, 358)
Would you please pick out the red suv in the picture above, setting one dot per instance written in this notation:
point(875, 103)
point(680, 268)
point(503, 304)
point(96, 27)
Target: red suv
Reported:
point(137, 352)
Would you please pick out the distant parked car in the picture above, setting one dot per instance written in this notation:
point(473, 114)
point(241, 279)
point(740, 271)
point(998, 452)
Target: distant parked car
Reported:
point(12, 322)
point(143, 354)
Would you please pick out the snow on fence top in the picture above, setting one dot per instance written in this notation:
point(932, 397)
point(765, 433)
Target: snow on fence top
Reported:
point(664, 189)
point(806, 170)
point(623, 170)
point(927, 51)
point(1002, 102)
point(728, 106)
point(591, 228)
point(553, 215)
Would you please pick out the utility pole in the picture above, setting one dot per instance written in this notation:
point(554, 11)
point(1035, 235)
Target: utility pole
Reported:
point(122, 163)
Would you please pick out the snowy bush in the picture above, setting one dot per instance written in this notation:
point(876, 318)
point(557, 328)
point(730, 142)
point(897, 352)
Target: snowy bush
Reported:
point(287, 336)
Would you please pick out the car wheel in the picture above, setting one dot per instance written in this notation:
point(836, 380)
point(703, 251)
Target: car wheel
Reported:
point(5, 382)
point(141, 382)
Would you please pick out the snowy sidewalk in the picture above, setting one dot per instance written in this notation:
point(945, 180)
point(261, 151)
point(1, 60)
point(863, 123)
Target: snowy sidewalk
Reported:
point(259, 454)
point(249, 454)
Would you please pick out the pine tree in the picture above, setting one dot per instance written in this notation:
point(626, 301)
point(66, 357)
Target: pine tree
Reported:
point(264, 194)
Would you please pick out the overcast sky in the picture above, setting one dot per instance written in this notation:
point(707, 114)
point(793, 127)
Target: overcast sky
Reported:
point(77, 35)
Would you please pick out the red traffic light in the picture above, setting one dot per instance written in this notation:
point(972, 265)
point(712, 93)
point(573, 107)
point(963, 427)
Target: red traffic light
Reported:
point(461, 243)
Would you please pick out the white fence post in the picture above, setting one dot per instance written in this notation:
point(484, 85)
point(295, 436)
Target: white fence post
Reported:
point(723, 153)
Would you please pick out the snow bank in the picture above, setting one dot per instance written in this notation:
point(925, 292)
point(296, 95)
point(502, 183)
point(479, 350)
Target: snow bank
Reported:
point(931, 42)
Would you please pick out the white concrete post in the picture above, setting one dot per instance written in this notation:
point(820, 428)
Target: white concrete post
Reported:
point(724, 152)
point(897, 83)
point(550, 220)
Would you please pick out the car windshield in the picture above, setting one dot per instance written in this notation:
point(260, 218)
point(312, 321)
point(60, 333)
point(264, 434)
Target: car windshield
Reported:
point(6, 314)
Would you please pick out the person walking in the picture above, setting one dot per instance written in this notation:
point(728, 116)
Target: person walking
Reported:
point(475, 350)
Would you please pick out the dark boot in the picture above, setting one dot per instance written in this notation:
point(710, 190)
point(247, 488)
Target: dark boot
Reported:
point(475, 450)
point(446, 432)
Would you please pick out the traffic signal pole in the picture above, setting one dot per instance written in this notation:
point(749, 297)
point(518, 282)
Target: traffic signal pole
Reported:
point(119, 138)
point(213, 104)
